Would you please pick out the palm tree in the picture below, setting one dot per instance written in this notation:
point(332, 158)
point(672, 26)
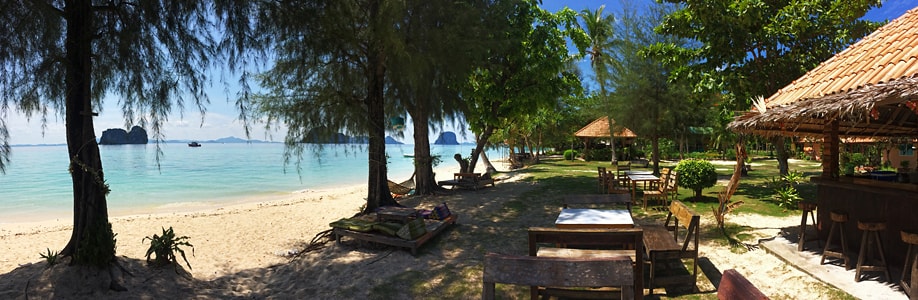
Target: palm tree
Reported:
point(600, 31)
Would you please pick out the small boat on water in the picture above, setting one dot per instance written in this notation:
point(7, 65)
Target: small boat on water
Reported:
point(409, 155)
point(194, 144)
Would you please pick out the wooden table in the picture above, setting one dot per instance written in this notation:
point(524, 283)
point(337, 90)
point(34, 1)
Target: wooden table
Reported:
point(465, 180)
point(627, 173)
point(586, 218)
point(634, 178)
point(598, 199)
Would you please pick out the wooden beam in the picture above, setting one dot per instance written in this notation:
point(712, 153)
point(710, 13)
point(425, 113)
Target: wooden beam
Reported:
point(830, 143)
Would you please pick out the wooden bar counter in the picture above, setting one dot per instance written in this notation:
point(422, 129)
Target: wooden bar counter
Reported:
point(861, 198)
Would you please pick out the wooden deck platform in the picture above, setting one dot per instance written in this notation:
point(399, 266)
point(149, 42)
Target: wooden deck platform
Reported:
point(434, 227)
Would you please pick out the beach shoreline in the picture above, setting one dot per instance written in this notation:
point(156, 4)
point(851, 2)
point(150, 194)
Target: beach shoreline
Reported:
point(24, 239)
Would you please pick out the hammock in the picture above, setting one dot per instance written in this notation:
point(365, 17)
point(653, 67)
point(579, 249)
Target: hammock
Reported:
point(404, 188)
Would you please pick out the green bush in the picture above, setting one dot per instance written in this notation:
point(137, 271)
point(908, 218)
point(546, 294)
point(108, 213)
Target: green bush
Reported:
point(570, 154)
point(730, 154)
point(696, 174)
point(667, 149)
point(604, 154)
point(785, 188)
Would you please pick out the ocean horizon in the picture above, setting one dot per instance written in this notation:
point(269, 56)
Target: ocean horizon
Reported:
point(37, 184)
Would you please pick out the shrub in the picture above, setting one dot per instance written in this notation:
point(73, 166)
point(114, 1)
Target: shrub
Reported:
point(165, 247)
point(667, 148)
point(602, 154)
point(696, 174)
point(570, 154)
point(785, 189)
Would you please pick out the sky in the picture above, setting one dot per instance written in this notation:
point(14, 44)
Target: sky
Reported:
point(220, 119)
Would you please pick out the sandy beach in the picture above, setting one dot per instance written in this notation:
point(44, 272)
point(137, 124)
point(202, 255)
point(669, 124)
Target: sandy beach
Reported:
point(242, 251)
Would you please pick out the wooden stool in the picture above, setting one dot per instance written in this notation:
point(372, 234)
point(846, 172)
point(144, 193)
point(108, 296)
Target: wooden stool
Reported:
point(806, 207)
point(911, 263)
point(839, 218)
point(871, 235)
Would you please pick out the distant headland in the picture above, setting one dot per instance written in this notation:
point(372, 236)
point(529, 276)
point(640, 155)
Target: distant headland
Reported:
point(118, 136)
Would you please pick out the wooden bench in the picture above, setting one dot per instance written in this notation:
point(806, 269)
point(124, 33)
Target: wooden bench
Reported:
point(434, 227)
point(589, 243)
point(733, 286)
point(598, 200)
point(557, 272)
point(662, 242)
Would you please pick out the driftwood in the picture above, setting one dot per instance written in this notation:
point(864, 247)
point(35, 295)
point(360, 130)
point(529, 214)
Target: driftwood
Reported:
point(724, 206)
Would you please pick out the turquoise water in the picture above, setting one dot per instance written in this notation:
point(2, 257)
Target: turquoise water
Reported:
point(37, 182)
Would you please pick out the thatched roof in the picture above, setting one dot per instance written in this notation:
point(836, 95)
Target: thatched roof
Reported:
point(871, 88)
point(599, 128)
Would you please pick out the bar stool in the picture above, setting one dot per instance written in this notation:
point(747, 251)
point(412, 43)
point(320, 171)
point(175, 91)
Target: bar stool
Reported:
point(910, 238)
point(807, 208)
point(839, 218)
point(871, 235)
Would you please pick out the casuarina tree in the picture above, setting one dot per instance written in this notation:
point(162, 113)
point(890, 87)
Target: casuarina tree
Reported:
point(65, 57)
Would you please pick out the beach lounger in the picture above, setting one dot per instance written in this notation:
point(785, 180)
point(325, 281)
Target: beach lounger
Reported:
point(433, 228)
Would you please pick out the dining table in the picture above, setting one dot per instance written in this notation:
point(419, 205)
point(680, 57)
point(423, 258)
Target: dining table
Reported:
point(589, 218)
point(635, 178)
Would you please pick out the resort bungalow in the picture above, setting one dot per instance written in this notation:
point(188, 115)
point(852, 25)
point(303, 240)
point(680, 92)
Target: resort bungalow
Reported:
point(869, 90)
point(600, 129)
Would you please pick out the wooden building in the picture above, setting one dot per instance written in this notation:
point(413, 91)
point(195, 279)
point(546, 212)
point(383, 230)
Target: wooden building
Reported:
point(869, 90)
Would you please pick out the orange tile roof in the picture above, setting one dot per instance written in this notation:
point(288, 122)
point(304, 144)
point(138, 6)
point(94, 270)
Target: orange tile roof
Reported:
point(888, 54)
point(600, 128)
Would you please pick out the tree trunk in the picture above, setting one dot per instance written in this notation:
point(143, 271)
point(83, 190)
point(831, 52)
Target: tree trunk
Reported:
point(655, 145)
point(487, 163)
point(377, 182)
point(424, 179)
point(92, 241)
point(481, 140)
point(782, 154)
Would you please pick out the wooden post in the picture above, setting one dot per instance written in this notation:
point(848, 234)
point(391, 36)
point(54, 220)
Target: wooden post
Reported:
point(913, 295)
point(830, 147)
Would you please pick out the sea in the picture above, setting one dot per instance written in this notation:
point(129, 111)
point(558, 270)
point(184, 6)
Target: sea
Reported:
point(37, 184)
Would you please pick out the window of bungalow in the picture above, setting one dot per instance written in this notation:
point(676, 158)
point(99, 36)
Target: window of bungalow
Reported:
point(906, 150)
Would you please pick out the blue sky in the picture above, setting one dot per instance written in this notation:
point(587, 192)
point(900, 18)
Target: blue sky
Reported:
point(220, 119)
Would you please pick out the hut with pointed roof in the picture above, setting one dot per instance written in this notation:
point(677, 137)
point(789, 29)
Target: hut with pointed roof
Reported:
point(600, 129)
point(869, 90)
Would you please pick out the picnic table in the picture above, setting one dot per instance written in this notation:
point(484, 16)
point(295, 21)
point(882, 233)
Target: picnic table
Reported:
point(635, 178)
point(584, 218)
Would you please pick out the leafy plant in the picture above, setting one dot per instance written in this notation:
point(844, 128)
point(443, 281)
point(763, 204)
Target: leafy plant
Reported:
point(165, 246)
point(696, 175)
point(785, 189)
point(570, 154)
point(787, 197)
point(51, 257)
point(794, 177)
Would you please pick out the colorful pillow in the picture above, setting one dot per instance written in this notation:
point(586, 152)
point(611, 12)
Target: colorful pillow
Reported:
point(389, 228)
point(440, 212)
point(353, 224)
point(413, 230)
